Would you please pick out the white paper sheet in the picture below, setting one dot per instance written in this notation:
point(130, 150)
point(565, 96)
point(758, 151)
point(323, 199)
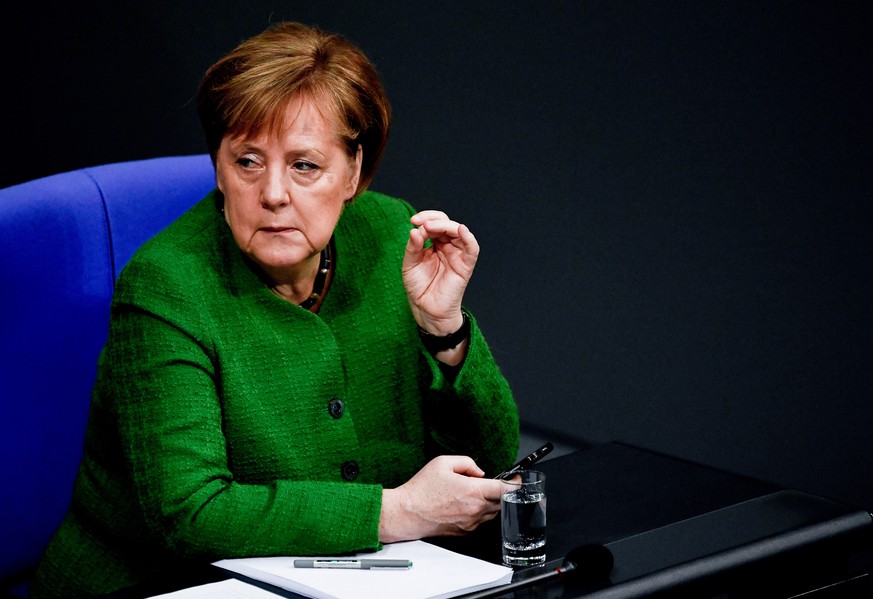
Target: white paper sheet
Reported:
point(226, 589)
point(436, 573)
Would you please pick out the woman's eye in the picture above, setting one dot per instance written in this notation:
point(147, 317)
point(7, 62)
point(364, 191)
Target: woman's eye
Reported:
point(246, 162)
point(304, 166)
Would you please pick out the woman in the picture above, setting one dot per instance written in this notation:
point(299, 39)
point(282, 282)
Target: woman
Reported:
point(289, 368)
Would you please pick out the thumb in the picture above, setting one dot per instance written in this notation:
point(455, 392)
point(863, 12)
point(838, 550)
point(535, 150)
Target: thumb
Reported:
point(492, 490)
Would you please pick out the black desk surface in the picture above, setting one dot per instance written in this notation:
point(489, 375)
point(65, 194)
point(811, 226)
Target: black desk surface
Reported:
point(676, 529)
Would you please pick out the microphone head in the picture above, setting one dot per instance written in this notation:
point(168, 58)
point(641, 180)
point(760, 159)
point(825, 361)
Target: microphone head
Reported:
point(588, 564)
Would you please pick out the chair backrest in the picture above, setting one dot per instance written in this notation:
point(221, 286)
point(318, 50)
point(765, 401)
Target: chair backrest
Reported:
point(63, 240)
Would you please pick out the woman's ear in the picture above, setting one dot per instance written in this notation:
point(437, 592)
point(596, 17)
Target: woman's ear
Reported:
point(219, 182)
point(356, 172)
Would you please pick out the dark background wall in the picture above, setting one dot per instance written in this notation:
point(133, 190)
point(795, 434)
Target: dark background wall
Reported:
point(673, 198)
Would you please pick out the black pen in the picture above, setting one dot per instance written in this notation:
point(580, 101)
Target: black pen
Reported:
point(354, 564)
point(528, 461)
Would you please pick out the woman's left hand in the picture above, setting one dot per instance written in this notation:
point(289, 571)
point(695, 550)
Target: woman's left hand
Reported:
point(435, 277)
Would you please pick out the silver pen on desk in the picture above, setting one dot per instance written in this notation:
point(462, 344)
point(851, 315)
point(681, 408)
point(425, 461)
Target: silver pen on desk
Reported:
point(354, 564)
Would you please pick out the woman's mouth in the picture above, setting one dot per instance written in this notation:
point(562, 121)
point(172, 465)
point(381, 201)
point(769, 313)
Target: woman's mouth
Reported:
point(277, 229)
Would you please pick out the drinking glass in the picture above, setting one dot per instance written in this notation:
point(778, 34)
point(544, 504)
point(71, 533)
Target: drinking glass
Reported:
point(523, 519)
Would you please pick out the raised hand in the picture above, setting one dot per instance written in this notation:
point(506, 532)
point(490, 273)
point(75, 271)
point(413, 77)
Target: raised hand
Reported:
point(436, 276)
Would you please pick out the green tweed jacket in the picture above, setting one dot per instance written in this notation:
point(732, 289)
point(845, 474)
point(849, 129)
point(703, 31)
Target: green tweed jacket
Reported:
point(226, 422)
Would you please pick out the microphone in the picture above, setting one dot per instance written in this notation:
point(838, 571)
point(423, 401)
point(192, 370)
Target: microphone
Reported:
point(585, 564)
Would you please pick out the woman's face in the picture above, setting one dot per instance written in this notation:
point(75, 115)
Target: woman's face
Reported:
point(284, 192)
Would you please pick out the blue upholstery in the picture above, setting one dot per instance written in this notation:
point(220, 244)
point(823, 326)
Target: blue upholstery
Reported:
point(63, 241)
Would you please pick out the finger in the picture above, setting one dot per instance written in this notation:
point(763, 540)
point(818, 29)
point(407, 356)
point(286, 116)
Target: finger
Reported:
point(442, 228)
point(470, 526)
point(469, 240)
point(455, 233)
point(465, 465)
point(426, 215)
point(417, 237)
point(485, 515)
point(490, 515)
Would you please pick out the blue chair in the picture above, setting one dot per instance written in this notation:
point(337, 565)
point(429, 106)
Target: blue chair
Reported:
point(63, 240)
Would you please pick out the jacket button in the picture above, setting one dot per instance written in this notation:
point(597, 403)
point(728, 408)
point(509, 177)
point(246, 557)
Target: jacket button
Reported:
point(350, 470)
point(336, 407)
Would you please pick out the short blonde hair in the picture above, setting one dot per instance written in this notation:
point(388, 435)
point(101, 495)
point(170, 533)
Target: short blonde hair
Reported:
point(247, 90)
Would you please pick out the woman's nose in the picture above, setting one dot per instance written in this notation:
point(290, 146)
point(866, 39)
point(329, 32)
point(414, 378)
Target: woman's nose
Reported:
point(276, 191)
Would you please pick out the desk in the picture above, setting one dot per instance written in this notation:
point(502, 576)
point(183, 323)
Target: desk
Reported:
point(679, 529)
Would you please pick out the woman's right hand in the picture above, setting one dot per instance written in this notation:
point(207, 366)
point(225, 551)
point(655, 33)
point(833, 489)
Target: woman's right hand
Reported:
point(447, 497)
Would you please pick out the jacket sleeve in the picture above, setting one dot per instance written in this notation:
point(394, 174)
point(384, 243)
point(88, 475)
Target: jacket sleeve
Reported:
point(473, 413)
